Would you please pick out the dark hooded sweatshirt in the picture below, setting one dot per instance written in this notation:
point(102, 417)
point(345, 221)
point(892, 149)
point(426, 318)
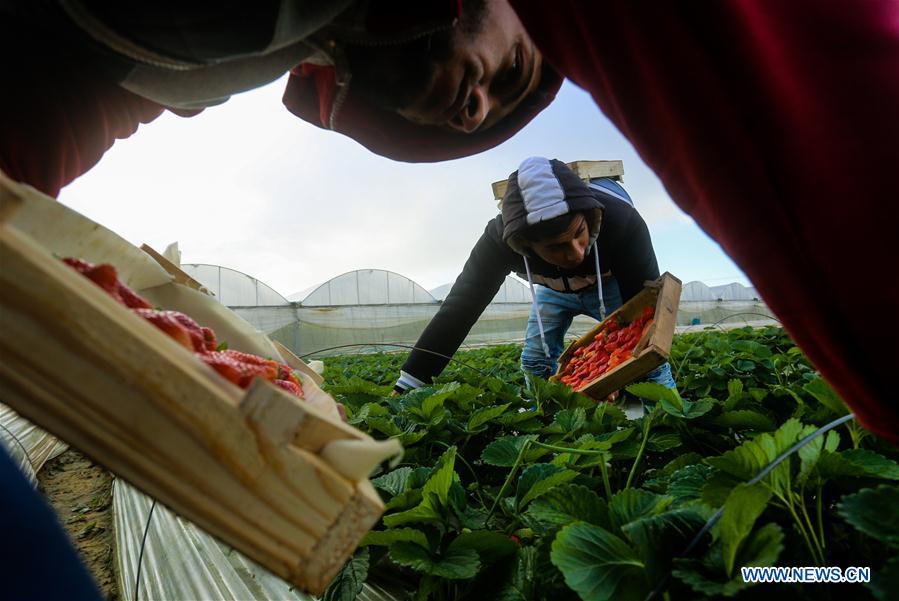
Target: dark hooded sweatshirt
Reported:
point(622, 238)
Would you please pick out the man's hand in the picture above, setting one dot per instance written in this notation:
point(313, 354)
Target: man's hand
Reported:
point(613, 396)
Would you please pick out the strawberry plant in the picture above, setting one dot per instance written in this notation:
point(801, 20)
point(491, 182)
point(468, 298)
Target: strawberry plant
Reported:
point(516, 494)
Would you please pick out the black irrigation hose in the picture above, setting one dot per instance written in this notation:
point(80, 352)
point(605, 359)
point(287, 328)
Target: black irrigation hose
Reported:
point(406, 346)
point(140, 555)
point(663, 584)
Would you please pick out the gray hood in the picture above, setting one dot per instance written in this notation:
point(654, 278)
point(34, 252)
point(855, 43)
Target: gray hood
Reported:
point(542, 189)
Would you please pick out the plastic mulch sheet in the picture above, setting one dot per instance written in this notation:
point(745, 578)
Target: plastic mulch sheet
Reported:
point(29, 446)
point(180, 561)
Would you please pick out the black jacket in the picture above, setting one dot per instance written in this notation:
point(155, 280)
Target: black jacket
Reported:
point(625, 251)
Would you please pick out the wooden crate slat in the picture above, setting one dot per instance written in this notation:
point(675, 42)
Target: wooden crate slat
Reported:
point(90, 371)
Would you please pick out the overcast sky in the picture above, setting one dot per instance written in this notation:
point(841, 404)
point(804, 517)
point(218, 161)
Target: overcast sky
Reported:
point(249, 186)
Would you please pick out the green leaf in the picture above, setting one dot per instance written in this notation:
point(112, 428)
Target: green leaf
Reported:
point(657, 393)
point(734, 394)
point(670, 401)
point(826, 395)
point(752, 348)
point(744, 365)
point(538, 479)
point(347, 585)
point(564, 504)
point(651, 533)
point(485, 415)
point(743, 507)
point(875, 512)
point(694, 409)
point(633, 503)
point(490, 546)
point(748, 459)
point(660, 442)
point(522, 582)
point(513, 418)
point(571, 420)
point(679, 462)
point(404, 500)
point(885, 582)
point(356, 386)
point(761, 549)
point(455, 564)
point(811, 452)
point(385, 538)
point(598, 565)
point(504, 451)
point(744, 419)
point(393, 482)
point(384, 425)
point(434, 492)
point(872, 464)
point(686, 484)
point(360, 416)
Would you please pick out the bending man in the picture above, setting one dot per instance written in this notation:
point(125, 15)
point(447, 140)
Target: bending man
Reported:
point(585, 248)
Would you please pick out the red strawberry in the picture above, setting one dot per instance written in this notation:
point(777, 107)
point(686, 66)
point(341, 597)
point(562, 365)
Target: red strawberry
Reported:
point(105, 276)
point(197, 336)
point(209, 338)
point(268, 368)
point(233, 370)
point(165, 321)
point(131, 298)
point(290, 387)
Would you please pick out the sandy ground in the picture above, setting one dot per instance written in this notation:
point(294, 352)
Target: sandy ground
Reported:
point(81, 493)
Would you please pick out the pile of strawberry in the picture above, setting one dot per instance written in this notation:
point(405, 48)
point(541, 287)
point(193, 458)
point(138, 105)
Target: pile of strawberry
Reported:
point(612, 345)
point(234, 366)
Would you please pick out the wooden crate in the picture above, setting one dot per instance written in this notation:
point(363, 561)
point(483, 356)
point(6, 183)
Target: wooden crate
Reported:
point(650, 352)
point(246, 466)
point(586, 170)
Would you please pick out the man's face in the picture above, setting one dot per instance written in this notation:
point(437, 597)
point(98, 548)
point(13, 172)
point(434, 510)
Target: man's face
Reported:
point(568, 249)
point(487, 76)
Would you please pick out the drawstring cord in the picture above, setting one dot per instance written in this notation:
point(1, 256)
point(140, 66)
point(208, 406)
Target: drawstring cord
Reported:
point(527, 268)
point(602, 303)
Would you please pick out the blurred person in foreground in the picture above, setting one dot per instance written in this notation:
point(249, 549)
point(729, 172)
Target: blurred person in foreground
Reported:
point(410, 80)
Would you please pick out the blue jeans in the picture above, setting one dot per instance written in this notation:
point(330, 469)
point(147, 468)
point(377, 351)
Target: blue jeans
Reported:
point(557, 310)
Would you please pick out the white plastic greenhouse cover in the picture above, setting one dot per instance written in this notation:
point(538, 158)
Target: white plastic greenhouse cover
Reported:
point(364, 287)
point(513, 290)
point(698, 291)
point(233, 288)
point(734, 292)
point(181, 561)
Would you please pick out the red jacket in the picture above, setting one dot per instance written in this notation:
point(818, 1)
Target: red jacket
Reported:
point(775, 126)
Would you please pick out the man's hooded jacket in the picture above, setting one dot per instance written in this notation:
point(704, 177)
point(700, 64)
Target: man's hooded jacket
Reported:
point(539, 190)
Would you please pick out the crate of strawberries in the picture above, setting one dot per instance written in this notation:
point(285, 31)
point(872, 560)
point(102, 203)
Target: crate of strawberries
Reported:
point(625, 346)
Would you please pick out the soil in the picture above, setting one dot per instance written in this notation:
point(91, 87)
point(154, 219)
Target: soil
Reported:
point(81, 493)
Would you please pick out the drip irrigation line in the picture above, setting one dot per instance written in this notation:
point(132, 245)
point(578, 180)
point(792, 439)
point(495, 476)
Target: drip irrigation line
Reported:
point(140, 556)
point(663, 584)
point(406, 346)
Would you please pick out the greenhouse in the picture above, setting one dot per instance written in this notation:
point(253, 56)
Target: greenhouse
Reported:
point(371, 308)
